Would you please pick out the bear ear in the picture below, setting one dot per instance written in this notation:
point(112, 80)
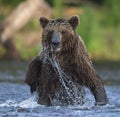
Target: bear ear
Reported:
point(74, 21)
point(43, 21)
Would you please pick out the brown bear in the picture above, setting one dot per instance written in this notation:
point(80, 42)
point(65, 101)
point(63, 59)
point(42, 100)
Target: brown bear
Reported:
point(63, 63)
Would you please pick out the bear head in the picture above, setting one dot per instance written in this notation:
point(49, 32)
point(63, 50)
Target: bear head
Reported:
point(58, 34)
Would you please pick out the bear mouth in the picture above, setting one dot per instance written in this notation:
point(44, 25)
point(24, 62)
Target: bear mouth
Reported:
point(55, 48)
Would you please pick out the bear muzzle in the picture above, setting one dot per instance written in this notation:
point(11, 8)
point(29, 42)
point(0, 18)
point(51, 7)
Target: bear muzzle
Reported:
point(55, 42)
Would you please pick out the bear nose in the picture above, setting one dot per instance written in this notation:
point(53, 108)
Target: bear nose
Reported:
point(55, 40)
point(55, 44)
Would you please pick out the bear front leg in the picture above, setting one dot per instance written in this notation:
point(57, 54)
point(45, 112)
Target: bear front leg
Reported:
point(97, 88)
point(44, 99)
point(33, 73)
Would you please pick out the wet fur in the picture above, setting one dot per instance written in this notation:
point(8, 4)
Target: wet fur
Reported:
point(73, 59)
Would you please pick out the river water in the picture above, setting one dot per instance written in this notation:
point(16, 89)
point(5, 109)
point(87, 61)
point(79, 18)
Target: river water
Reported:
point(16, 100)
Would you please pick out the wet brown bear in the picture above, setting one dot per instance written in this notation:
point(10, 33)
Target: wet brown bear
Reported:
point(63, 57)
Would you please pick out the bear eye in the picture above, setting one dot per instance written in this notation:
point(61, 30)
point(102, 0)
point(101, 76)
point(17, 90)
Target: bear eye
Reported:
point(48, 32)
point(63, 32)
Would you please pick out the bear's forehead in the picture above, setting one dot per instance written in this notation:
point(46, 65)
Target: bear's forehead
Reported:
point(59, 20)
point(58, 24)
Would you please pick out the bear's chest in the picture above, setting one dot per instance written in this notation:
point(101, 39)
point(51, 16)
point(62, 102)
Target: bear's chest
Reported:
point(48, 73)
point(54, 71)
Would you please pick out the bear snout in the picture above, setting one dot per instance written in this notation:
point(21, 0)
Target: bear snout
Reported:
point(55, 42)
point(55, 46)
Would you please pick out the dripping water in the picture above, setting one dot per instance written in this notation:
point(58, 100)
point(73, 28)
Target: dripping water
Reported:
point(70, 92)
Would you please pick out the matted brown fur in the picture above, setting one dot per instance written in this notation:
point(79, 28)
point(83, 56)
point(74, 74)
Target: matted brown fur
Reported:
point(60, 34)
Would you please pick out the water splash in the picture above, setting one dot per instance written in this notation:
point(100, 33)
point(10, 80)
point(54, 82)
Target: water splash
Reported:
point(73, 93)
point(28, 103)
point(9, 103)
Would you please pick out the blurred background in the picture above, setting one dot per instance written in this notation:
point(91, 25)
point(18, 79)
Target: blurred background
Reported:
point(20, 41)
point(20, 32)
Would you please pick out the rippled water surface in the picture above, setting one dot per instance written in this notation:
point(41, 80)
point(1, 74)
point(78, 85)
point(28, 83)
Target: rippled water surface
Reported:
point(16, 100)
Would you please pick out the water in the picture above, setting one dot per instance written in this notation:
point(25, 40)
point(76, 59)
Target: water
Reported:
point(74, 95)
point(16, 100)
